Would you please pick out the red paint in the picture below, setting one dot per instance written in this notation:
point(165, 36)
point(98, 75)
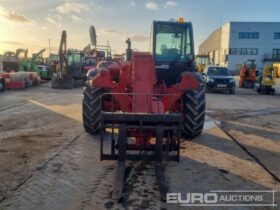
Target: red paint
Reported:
point(134, 89)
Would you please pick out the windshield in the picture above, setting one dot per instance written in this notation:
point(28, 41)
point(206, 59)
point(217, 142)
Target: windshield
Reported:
point(202, 60)
point(173, 42)
point(91, 61)
point(212, 71)
point(74, 57)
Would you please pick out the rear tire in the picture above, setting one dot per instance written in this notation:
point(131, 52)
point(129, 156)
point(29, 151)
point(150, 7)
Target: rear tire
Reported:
point(92, 108)
point(193, 112)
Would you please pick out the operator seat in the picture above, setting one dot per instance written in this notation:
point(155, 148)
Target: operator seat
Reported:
point(173, 52)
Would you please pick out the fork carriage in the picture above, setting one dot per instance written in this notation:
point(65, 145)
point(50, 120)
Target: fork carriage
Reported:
point(141, 137)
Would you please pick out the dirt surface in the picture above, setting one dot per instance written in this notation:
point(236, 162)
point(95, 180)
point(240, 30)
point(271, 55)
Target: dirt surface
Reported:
point(47, 161)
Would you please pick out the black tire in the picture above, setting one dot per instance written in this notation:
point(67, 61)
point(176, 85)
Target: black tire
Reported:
point(232, 91)
point(193, 113)
point(92, 108)
point(2, 84)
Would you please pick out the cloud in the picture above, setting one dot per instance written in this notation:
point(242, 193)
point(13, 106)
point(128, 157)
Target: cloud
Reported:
point(152, 5)
point(71, 7)
point(10, 42)
point(134, 37)
point(113, 32)
point(11, 1)
point(55, 19)
point(76, 19)
point(170, 4)
point(139, 38)
point(44, 28)
point(14, 16)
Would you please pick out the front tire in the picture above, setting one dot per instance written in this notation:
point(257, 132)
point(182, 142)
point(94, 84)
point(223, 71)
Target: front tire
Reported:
point(92, 108)
point(193, 112)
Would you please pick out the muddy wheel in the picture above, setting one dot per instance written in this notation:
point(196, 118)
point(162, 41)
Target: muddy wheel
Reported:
point(2, 84)
point(92, 108)
point(193, 113)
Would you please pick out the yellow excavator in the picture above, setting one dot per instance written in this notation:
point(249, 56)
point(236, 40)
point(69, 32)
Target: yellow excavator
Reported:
point(265, 80)
point(201, 62)
point(276, 67)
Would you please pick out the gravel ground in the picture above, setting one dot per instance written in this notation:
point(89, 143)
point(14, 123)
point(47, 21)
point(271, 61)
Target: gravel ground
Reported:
point(47, 161)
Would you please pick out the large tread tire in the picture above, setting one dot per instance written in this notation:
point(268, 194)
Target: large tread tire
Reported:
point(92, 108)
point(193, 113)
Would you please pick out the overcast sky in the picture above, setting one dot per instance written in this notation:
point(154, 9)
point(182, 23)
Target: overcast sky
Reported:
point(31, 23)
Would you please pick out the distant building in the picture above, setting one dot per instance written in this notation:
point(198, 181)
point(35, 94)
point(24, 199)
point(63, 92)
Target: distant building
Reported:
point(236, 42)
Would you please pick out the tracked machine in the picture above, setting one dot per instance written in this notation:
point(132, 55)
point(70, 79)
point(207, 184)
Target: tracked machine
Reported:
point(70, 72)
point(147, 103)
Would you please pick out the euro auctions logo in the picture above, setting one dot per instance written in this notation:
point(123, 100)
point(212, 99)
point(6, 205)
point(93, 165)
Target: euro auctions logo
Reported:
point(224, 198)
point(192, 198)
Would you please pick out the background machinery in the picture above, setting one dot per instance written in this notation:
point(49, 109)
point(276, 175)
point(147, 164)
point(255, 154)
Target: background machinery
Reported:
point(70, 72)
point(10, 78)
point(265, 80)
point(201, 62)
point(22, 51)
point(10, 62)
point(276, 67)
point(247, 74)
point(152, 99)
point(37, 64)
point(95, 53)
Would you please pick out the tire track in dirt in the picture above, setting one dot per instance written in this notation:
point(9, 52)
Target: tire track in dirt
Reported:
point(140, 189)
point(250, 154)
point(14, 106)
point(38, 169)
point(225, 114)
point(24, 132)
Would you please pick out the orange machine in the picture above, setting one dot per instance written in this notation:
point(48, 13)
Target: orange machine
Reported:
point(247, 74)
point(151, 99)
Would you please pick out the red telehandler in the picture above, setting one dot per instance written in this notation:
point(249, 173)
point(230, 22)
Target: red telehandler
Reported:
point(151, 99)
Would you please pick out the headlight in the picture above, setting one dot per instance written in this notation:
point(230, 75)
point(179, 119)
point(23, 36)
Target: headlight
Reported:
point(211, 79)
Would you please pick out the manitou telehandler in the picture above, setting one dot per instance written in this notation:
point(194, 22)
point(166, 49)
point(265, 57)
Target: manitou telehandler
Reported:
point(152, 100)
